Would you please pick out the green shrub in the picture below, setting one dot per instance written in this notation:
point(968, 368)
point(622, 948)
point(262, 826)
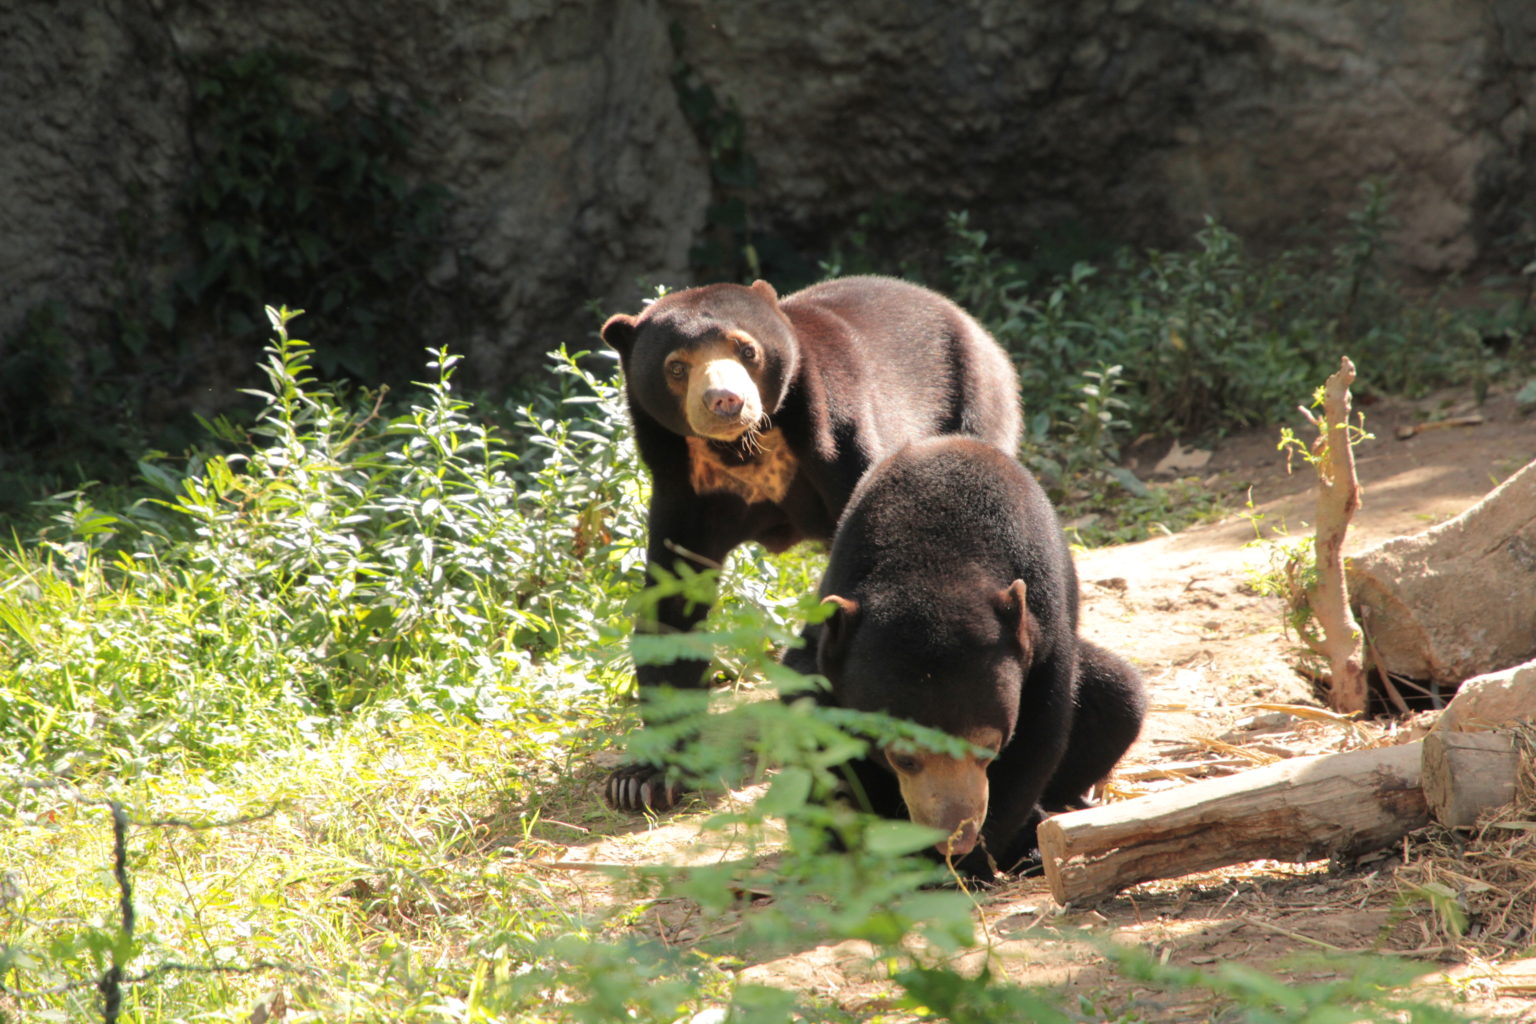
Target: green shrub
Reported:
point(341, 560)
point(1194, 344)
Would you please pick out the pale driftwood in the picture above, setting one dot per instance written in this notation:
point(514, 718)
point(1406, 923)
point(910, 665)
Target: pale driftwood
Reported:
point(1303, 809)
point(1466, 773)
point(1459, 599)
point(1492, 700)
point(1338, 498)
point(1408, 430)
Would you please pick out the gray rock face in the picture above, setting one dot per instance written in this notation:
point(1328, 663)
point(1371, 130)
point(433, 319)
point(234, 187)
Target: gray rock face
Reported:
point(1140, 118)
point(555, 127)
point(576, 177)
point(88, 115)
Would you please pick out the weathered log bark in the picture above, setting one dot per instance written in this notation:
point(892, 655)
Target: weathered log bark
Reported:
point(1298, 810)
point(1465, 774)
point(1457, 600)
point(1491, 700)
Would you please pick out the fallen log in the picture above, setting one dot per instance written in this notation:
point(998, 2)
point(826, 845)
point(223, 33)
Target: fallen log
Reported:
point(1408, 430)
point(1458, 599)
point(1303, 809)
point(1467, 773)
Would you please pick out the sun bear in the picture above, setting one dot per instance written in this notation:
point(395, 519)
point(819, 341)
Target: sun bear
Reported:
point(758, 416)
point(957, 609)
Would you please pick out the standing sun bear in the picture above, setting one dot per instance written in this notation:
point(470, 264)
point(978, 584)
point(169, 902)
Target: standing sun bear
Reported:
point(758, 417)
point(957, 609)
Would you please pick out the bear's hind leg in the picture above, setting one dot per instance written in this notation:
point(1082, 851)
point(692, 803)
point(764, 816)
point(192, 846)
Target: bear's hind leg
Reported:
point(1107, 715)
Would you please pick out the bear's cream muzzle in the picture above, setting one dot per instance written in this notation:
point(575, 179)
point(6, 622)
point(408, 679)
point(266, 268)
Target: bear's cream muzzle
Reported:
point(723, 401)
point(949, 794)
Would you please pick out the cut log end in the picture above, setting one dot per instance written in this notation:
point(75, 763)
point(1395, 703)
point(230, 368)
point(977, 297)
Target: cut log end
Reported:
point(1467, 774)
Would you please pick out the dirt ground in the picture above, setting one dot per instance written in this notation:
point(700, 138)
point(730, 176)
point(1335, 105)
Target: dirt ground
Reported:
point(1181, 607)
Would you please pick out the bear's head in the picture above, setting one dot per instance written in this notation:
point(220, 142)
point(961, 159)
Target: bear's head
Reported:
point(960, 669)
point(713, 362)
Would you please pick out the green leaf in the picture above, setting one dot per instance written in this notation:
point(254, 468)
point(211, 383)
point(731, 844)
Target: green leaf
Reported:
point(790, 790)
point(1525, 398)
point(895, 838)
point(1129, 481)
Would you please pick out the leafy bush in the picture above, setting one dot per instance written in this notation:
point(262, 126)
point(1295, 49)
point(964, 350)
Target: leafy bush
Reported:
point(1203, 342)
point(343, 561)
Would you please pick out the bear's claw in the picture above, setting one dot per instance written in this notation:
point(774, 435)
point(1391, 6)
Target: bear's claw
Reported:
point(643, 787)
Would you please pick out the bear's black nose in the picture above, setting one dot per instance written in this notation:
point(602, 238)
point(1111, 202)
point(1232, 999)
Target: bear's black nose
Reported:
point(723, 402)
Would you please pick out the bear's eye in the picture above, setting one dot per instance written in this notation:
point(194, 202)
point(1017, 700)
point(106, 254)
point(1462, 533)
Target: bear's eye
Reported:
point(677, 369)
point(746, 351)
point(907, 764)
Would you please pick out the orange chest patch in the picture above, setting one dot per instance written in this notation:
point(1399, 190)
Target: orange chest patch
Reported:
point(762, 473)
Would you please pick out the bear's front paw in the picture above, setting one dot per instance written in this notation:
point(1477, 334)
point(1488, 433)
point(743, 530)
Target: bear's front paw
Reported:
point(643, 787)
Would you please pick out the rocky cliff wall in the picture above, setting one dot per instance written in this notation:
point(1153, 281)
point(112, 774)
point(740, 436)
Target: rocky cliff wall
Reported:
point(554, 126)
point(575, 175)
point(1136, 117)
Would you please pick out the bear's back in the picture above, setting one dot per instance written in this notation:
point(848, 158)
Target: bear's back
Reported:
point(947, 506)
point(917, 364)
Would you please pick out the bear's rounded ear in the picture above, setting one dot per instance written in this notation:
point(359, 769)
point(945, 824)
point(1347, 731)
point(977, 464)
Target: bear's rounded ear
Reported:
point(619, 332)
point(836, 630)
point(1013, 610)
point(765, 289)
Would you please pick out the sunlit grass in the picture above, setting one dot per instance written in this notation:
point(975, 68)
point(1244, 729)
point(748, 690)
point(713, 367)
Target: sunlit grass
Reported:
point(359, 874)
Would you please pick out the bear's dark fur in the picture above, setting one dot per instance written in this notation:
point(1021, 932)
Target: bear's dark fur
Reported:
point(758, 416)
point(938, 546)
